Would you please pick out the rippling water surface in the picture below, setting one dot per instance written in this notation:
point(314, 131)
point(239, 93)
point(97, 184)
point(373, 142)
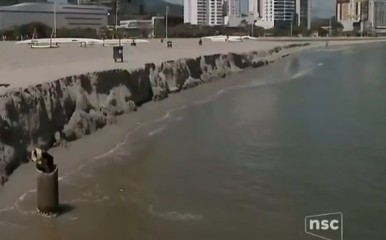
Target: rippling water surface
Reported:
point(247, 163)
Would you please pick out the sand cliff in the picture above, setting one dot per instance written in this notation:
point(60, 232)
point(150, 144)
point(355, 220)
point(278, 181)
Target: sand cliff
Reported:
point(64, 110)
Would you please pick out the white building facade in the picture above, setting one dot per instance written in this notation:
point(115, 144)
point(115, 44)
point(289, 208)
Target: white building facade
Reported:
point(303, 13)
point(195, 12)
point(205, 12)
point(377, 13)
point(67, 15)
point(264, 12)
point(233, 7)
point(190, 11)
point(366, 15)
point(270, 13)
point(348, 12)
point(215, 12)
point(374, 16)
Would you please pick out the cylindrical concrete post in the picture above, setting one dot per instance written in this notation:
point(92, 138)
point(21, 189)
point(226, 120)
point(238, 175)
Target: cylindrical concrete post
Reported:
point(48, 192)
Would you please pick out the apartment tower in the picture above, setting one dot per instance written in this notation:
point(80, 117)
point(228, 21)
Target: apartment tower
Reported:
point(206, 12)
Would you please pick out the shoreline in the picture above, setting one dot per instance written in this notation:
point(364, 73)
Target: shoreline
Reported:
point(22, 180)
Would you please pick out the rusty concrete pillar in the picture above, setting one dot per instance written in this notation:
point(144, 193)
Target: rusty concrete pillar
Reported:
point(48, 192)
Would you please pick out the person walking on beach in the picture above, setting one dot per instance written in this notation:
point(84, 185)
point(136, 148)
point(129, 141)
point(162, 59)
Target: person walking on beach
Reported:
point(44, 161)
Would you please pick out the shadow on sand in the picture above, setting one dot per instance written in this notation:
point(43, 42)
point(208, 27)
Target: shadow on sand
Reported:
point(64, 209)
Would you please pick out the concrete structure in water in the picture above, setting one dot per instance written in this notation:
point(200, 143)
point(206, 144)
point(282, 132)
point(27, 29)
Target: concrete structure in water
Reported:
point(67, 15)
point(48, 192)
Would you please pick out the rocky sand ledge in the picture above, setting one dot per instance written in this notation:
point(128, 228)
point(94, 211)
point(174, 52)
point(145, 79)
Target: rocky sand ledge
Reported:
point(58, 112)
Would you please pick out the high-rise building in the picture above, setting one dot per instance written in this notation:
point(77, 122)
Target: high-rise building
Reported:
point(373, 16)
point(284, 11)
point(349, 12)
point(270, 13)
point(204, 12)
point(377, 14)
point(303, 13)
point(195, 12)
point(215, 12)
point(233, 8)
point(255, 8)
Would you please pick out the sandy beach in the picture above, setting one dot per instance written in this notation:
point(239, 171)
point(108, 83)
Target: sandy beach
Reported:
point(41, 65)
point(21, 66)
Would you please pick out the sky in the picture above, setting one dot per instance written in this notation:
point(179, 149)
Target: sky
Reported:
point(320, 8)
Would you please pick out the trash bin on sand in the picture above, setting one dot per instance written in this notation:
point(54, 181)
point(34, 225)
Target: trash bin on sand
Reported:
point(118, 53)
point(47, 191)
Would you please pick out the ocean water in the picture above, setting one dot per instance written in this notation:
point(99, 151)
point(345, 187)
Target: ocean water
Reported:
point(250, 162)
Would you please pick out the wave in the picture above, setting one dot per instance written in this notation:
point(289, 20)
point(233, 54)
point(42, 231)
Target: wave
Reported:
point(9, 224)
point(308, 68)
point(168, 114)
point(156, 131)
point(174, 215)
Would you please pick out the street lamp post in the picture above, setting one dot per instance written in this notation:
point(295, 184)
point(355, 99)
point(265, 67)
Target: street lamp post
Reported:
point(54, 19)
point(253, 28)
point(330, 29)
point(116, 16)
point(166, 22)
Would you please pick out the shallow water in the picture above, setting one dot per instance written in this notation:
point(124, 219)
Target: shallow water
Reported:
point(249, 162)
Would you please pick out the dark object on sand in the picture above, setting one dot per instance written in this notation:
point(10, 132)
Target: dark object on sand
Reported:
point(327, 44)
point(169, 44)
point(200, 42)
point(133, 43)
point(118, 53)
point(47, 192)
point(3, 180)
point(162, 40)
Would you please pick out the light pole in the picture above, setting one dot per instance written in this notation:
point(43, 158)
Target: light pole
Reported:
point(54, 19)
point(116, 16)
point(253, 28)
point(166, 22)
point(330, 29)
point(291, 26)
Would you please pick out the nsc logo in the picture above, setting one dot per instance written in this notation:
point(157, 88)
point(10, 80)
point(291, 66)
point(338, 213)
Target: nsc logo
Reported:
point(328, 226)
